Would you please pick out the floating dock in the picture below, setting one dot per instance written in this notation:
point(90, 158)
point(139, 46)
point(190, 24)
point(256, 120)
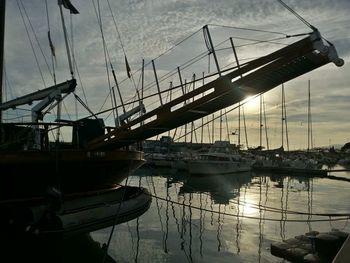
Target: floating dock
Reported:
point(311, 247)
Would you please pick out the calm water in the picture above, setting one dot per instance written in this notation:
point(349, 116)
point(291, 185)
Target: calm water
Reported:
point(223, 218)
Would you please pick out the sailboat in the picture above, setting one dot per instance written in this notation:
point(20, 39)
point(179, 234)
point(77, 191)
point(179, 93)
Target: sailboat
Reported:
point(30, 163)
point(62, 189)
point(287, 162)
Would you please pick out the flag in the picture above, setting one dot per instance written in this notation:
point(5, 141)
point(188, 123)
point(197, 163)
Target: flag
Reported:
point(67, 4)
point(51, 45)
point(128, 70)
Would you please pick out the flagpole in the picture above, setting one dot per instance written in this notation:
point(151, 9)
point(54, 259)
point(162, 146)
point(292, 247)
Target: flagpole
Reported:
point(66, 39)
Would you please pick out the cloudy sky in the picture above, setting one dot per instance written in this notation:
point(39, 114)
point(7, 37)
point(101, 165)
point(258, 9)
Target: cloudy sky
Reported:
point(150, 28)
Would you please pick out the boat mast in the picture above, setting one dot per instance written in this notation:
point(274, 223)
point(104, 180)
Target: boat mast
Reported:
point(260, 123)
point(2, 37)
point(66, 39)
point(309, 121)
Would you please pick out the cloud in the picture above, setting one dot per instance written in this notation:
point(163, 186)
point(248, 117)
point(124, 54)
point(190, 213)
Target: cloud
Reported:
point(149, 28)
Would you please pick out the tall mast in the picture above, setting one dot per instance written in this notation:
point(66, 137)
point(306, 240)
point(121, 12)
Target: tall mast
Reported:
point(282, 117)
point(309, 121)
point(2, 37)
point(260, 125)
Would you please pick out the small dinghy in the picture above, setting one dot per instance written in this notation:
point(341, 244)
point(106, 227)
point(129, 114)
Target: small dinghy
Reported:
point(75, 214)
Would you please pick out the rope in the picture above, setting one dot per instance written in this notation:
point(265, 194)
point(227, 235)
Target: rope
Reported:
point(105, 49)
point(106, 246)
point(251, 217)
point(194, 60)
point(122, 45)
point(81, 84)
point(165, 52)
point(278, 210)
point(36, 38)
point(217, 117)
point(249, 29)
point(203, 55)
point(206, 40)
point(31, 44)
point(116, 27)
point(297, 15)
point(53, 58)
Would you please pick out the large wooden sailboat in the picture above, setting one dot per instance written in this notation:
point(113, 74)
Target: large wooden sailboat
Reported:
point(51, 188)
point(30, 162)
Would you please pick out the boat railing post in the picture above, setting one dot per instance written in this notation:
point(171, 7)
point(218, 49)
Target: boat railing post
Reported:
point(117, 122)
point(142, 87)
point(181, 83)
point(185, 104)
point(210, 47)
point(239, 104)
point(157, 83)
point(192, 124)
point(142, 78)
point(120, 97)
point(202, 117)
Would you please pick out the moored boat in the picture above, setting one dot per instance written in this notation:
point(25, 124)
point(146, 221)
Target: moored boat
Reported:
point(33, 155)
point(222, 158)
point(78, 213)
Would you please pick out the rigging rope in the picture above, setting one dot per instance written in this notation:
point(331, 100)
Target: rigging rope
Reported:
point(31, 44)
point(203, 55)
point(105, 51)
point(249, 29)
point(53, 57)
point(194, 60)
point(124, 52)
point(297, 15)
point(217, 117)
point(36, 38)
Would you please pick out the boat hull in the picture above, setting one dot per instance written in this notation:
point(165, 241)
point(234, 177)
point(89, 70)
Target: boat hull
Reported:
point(199, 167)
point(69, 170)
point(79, 213)
point(290, 170)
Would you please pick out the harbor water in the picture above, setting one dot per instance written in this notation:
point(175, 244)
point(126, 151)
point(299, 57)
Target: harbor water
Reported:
point(216, 218)
point(224, 218)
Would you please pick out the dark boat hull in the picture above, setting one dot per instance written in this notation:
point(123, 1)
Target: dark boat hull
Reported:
point(79, 213)
point(28, 173)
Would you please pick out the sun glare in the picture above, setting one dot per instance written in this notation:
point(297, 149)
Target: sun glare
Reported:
point(252, 103)
point(249, 209)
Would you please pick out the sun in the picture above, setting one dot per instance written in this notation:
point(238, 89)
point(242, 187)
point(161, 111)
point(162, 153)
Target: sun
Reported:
point(252, 103)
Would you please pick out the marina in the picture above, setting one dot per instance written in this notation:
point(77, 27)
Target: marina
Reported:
point(131, 133)
point(221, 217)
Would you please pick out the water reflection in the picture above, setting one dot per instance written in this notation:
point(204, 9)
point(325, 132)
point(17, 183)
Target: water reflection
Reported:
point(225, 217)
point(221, 188)
point(220, 218)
